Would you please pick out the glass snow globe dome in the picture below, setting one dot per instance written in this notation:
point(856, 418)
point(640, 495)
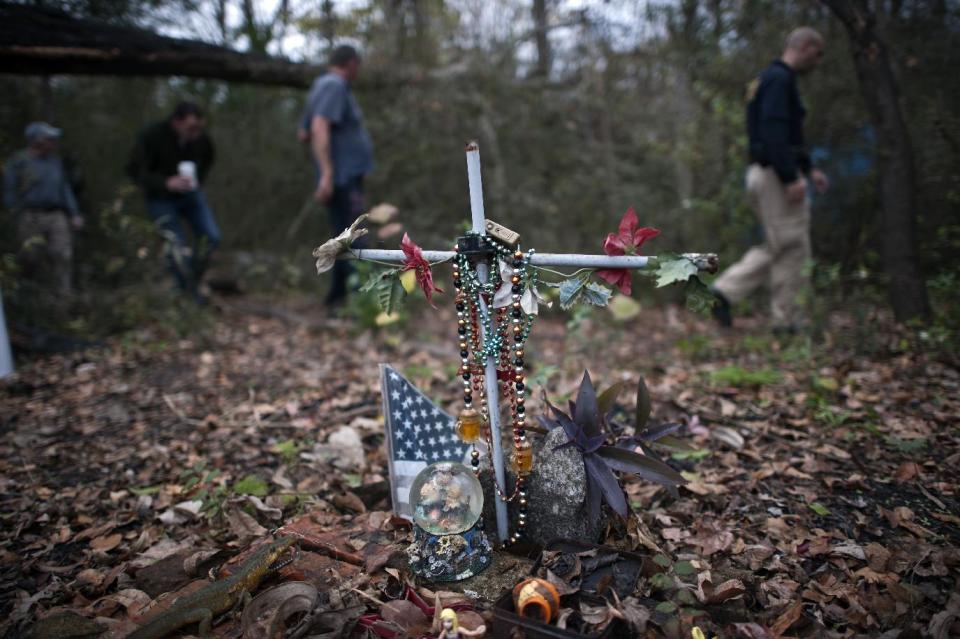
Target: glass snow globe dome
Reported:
point(447, 498)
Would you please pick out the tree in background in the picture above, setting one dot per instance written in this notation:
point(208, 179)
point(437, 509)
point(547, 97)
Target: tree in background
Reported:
point(582, 109)
point(898, 182)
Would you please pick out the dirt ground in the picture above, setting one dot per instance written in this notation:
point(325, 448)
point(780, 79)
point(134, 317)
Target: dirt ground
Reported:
point(822, 481)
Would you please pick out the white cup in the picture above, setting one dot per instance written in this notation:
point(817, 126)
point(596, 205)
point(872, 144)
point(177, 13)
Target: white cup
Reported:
point(188, 170)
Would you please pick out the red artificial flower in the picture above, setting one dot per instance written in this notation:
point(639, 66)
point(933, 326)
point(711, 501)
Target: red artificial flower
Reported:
point(417, 263)
point(627, 241)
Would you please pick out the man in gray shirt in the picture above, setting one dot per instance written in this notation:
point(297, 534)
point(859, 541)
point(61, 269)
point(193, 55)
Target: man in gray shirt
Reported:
point(342, 151)
point(37, 189)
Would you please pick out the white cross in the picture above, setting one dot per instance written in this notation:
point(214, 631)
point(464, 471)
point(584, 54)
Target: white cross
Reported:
point(703, 262)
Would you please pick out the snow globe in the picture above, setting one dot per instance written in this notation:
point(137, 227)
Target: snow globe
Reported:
point(448, 541)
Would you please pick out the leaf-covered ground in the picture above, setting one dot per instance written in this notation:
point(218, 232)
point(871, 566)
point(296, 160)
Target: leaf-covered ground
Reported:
point(822, 498)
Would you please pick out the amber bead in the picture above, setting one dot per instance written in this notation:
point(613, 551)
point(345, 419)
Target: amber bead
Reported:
point(523, 458)
point(468, 426)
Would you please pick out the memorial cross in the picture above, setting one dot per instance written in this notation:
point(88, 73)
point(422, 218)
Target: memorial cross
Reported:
point(480, 226)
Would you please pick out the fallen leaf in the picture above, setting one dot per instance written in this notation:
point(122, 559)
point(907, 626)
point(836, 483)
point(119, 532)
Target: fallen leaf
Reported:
point(106, 543)
point(348, 501)
point(243, 526)
point(709, 594)
point(941, 623)
point(849, 549)
point(748, 631)
point(90, 577)
point(407, 615)
point(786, 619)
point(877, 556)
point(728, 436)
point(906, 471)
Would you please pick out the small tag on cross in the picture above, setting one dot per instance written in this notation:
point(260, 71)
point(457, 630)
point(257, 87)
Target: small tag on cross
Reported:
point(502, 233)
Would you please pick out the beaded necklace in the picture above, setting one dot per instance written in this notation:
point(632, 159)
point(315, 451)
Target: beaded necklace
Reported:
point(503, 335)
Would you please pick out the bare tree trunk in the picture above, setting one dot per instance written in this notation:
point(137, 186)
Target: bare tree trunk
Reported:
point(541, 33)
point(898, 184)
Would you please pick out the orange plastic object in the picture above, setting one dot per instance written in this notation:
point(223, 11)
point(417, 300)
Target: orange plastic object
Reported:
point(536, 599)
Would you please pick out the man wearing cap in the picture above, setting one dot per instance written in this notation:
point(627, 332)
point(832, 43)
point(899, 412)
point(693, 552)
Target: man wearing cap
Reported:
point(37, 189)
point(342, 150)
point(170, 163)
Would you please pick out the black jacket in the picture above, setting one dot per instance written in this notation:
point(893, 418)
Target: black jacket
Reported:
point(158, 152)
point(775, 122)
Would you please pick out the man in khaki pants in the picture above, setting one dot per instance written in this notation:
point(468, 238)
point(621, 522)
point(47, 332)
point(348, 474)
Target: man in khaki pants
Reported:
point(777, 188)
point(37, 189)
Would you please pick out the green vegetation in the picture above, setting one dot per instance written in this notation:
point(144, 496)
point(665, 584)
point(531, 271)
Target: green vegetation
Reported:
point(251, 485)
point(734, 375)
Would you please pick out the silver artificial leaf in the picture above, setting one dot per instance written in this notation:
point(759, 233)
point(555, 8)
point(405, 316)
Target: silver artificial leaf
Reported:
point(530, 300)
point(327, 253)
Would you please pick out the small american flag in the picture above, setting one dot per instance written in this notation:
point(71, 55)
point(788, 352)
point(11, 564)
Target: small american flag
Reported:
point(418, 434)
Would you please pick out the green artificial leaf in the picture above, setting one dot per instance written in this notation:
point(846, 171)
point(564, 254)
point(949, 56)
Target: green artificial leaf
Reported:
point(596, 294)
point(699, 298)
point(684, 568)
point(820, 509)
point(376, 278)
point(643, 405)
point(623, 308)
point(569, 291)
point(675, 270)
point(389, 295)
point(385, 284)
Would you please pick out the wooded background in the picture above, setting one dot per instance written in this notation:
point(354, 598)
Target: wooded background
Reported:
point(582, 109)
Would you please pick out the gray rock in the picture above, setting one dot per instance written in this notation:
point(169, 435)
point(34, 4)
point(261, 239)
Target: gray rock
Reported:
point(556, 494)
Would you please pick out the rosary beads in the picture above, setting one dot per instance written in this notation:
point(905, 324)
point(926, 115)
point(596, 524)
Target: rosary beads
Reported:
point(498, 333)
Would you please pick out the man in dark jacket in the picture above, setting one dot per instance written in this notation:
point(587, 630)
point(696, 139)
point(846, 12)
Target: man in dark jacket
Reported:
point(777, 185)
point(170, 162)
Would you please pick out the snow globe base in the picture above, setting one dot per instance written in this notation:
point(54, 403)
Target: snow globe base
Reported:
point(452, 557)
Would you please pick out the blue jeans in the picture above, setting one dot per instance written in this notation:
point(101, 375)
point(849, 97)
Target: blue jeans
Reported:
point(187, 265)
